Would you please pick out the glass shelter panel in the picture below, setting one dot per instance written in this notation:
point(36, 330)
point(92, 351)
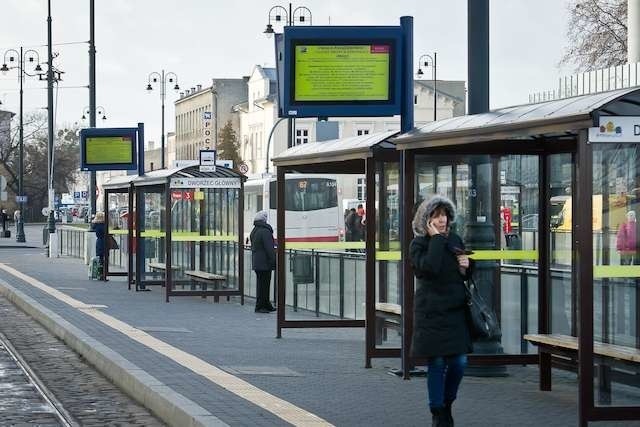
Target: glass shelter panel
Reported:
point(204, 239)
point(563, 293)
point(387, 290)
point(616, 272)
point(150, 244)
point(496, 199)
point(118, 226)
point(324, 245)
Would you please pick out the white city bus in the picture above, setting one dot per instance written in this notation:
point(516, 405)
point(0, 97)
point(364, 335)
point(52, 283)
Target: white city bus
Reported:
point(313, 207)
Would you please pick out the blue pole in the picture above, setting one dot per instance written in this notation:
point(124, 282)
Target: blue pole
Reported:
point(406, 109)
point(140, 149)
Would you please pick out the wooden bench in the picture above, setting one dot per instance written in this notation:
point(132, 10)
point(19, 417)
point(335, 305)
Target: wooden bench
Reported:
point(390, 316)
point(161, 266)
point(567, 346)
point(205, 278)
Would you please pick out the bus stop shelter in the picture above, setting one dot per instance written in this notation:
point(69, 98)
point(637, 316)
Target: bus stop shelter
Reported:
point(374, 157)
point(184, 230)
point(543, 204)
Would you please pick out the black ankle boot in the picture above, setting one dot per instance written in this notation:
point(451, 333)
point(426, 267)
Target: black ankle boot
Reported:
point(447, 408)
point(439, 418)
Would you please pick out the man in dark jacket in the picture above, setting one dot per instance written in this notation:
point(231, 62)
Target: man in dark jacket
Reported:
point(440, 327)
point(263, 257)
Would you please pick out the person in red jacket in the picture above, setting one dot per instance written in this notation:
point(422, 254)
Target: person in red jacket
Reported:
point(626, 241)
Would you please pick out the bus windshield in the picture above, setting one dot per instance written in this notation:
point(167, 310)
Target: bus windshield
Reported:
point(307, 194)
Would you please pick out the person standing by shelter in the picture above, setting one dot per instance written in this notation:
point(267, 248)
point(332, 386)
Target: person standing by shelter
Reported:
point(626, 240)
point(263, 257)
point(4, 217)
point(440, 331)
point(98, 227)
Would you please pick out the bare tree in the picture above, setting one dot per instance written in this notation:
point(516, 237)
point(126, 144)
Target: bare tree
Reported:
point(597, 34)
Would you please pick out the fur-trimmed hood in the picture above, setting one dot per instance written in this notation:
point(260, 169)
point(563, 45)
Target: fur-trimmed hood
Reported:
point(426, 208)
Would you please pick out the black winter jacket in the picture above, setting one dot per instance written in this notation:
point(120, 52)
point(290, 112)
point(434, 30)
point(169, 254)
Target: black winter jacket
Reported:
point(263, 254)
point(440, 317)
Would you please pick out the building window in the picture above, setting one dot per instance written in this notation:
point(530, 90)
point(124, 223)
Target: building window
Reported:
point(361, 189)
point(360, 132)
point(302, 136)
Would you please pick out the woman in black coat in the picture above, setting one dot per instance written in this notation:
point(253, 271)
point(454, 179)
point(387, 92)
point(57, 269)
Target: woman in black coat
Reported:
point(263, 258)
point(440, 331)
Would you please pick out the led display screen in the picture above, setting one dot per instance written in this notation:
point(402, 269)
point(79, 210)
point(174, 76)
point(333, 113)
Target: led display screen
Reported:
point(103, 150)
point(108, 149)
point(345, 72)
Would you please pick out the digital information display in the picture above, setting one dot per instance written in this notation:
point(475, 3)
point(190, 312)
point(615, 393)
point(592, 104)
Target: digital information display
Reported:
point(342, 72)
point(103, 150)
point(336, 71)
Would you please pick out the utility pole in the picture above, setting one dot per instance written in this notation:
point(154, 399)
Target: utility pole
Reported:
point(92, 100)
point(53, 241)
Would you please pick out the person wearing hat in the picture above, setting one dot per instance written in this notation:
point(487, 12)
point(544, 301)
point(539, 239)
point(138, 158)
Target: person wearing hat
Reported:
point(97, 224)
point(263, 258)
point(440, 332)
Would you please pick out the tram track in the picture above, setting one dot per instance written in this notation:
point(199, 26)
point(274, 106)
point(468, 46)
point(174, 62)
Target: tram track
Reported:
point(53, 404)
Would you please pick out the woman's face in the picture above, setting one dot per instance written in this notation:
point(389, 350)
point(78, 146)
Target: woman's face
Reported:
point(439, 219)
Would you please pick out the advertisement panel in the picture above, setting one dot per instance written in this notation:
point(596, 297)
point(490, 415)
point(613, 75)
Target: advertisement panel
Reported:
point(108, 149)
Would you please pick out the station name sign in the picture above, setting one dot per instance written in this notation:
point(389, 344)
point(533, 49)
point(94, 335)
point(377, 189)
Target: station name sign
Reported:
point(616, 129)
point(205, 183)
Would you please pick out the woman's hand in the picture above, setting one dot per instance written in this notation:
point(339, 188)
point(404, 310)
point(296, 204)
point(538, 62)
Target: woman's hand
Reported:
point(432, 229)
point(463, 261)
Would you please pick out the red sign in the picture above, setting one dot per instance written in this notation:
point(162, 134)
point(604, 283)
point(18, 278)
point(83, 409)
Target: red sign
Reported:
point(176, 195)
point(506, 217)
point(187, 195)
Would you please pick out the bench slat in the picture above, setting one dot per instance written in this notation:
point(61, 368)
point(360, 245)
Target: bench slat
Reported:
point(162, 266)
point(602, 349)
point(204, 275)
point(389, 308)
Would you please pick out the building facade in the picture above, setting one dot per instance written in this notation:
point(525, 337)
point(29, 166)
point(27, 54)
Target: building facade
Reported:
point(218, 100)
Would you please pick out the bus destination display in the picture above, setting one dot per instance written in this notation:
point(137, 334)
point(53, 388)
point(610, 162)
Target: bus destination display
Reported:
point(336, 73)
point(109, 150)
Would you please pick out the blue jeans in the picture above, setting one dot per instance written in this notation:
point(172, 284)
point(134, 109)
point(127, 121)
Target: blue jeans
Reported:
point(443, 379)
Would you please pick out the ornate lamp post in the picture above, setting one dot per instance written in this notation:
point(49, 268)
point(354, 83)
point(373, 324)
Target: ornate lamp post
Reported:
point(162, 78)
point(430, 61)
point(100, 112)
point(13, 56)
point(279, 15)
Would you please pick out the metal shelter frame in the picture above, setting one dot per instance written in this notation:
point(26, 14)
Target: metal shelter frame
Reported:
point(541, 129)
point(357, 155)
point(160, 182)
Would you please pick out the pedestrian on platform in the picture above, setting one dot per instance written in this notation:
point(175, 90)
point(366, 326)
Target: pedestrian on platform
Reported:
point(440, 330)
point(97, 224)
point(263, 257)
point(4, 217)
point(626, 240)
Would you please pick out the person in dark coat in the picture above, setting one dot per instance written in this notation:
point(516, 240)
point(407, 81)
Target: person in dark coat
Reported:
point(97, 225)
point(440, 330)
point(263, 257)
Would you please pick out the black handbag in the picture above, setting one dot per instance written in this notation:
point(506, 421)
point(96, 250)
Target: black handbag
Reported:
point(483, 322)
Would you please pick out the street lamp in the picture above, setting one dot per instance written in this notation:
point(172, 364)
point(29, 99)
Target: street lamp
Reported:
point(303, 16)
point(13, 56)
point(100, 111)
point(162, 78)
point(301, 13)
point(430, 61)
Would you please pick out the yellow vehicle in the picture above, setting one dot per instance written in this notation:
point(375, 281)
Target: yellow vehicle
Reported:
point(561, 212)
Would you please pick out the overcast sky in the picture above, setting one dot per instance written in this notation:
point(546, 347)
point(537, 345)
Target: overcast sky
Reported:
point(203, 39)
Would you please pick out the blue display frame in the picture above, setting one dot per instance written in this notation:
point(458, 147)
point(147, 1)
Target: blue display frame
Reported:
point(108, 132)
point(323, 35)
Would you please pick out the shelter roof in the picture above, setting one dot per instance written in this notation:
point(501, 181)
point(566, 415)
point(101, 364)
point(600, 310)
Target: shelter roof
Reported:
point(335, 150)
point(524, 121)
point(161, 176)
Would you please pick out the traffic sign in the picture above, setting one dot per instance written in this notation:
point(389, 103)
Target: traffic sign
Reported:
point(243, 168)
point(21, 199)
